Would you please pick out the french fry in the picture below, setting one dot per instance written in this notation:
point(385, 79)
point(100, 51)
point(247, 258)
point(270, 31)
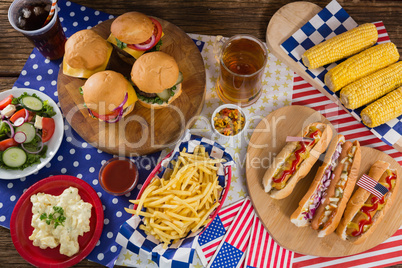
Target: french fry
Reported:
point(182, 200)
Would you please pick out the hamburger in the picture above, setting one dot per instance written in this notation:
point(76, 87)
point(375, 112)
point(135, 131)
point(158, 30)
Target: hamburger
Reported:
point(157, 79)
point(86, 53)
point(136, 33)
point(108, 96)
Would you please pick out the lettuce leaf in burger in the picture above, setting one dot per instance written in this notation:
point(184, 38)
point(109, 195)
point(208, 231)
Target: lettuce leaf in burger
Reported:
point(108, 96)
point(157, 79)
point(136, 33)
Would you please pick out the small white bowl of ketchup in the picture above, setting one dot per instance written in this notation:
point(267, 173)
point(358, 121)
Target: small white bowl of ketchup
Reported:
point(118, 176)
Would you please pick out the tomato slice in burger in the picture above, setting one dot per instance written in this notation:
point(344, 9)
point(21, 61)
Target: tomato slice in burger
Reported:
point(154, 39)
point(110, 116)
point(157, 30)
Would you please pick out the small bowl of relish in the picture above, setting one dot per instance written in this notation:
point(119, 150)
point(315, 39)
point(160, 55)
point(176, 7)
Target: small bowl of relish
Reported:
point(118, 176)
point(228, 120)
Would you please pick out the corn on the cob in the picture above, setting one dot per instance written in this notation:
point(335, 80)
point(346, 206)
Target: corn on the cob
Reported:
point(361, 65)
point(341, 46)
point(384, 109)
point(371, 87)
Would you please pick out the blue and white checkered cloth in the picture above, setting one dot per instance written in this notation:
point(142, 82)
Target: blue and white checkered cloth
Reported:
point(179, 254)
point(331, 21)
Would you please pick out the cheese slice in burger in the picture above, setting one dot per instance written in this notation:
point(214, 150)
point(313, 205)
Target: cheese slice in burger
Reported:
point(86, 53)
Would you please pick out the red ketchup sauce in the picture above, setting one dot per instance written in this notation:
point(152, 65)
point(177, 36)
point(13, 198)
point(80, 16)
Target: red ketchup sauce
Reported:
point(118, 176)
point(367, 208)
point(298, 154)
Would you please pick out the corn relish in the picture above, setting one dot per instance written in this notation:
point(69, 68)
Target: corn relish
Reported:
point(229, 122)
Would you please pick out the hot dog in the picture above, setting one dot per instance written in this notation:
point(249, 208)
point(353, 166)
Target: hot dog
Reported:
point(343, 179)
point(364, 210)
point(322, 180)
point(295, 160)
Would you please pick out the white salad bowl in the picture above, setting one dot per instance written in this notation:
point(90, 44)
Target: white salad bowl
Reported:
point(52, 145)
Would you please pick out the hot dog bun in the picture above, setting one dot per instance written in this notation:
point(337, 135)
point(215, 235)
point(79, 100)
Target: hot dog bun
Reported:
point(311, 200)
point(377, 172)
point(305, 165)
point(328, 216)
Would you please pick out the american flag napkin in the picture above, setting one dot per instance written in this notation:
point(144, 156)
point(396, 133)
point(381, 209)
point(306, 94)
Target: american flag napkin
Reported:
point(263, 251)
point(210, 238)
point(372, 186)
point(231, 251)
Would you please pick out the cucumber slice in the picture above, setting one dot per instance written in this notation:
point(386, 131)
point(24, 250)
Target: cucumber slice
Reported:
point(14, 157)
point(164, 95)
point(179, 79)
point(29, 131)
point(32, 103)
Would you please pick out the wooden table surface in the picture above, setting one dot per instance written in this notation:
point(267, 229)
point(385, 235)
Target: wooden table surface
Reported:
point(209, 17)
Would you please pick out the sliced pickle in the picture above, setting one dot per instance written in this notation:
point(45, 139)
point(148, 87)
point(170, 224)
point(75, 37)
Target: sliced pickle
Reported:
point(179, 79)
point(164, 95)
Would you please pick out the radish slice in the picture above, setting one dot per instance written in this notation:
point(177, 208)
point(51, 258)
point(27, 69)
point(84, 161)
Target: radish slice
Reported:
point(11, 128)
point(20, 136)
point(36, 152)
point(19, 121)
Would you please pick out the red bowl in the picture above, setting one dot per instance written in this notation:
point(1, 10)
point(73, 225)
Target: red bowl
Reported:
point(21, 229)
point(157, 169)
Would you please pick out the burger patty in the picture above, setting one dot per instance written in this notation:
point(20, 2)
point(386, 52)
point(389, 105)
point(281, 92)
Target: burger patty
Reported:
point(148, 95)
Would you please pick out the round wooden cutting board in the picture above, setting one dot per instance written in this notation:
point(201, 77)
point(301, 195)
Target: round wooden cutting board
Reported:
point(144, 130)
point(267, 140)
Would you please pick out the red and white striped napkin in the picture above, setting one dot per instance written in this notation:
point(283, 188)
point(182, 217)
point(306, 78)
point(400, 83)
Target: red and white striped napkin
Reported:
point(389, 252)
point(263, 251)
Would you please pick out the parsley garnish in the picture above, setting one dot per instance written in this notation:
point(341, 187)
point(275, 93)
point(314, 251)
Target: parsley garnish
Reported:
point(57, 218)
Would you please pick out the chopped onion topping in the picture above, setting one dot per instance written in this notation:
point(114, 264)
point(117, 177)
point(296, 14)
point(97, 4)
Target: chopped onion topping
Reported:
point(319, 196)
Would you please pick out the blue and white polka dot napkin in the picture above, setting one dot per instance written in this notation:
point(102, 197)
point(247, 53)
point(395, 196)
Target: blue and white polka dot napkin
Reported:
point(75, 157)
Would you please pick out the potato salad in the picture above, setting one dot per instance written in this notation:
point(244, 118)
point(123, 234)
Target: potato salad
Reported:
point(59, 220)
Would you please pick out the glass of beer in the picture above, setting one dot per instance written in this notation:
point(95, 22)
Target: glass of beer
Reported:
point(242, 60)
point(29, 18)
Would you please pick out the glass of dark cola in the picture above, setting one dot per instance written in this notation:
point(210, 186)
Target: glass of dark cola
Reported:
point(29, 18)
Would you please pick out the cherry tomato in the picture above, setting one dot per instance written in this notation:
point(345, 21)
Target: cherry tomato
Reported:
point(48, 127)
point(107, 116)
point(7, 143)
point(5, 102)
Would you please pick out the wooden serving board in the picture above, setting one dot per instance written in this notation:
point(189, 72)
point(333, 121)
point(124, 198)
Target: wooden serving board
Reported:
point(285, 22)
point(267, 141)
point(144, 130)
